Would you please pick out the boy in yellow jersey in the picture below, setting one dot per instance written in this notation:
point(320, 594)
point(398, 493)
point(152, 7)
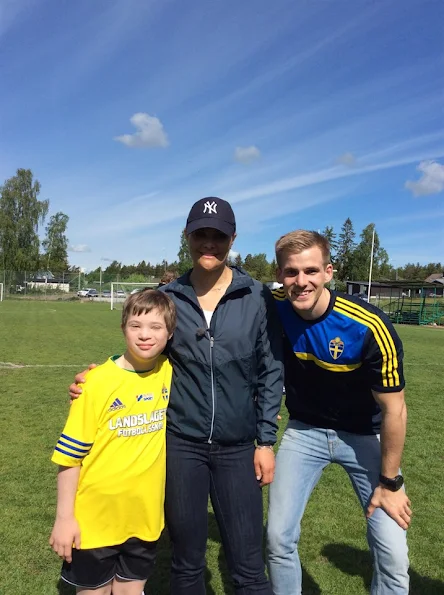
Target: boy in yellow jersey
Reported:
point(111, 454)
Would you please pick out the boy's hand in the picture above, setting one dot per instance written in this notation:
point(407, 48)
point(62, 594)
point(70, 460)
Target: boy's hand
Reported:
point(64, 534)
point(74, 389)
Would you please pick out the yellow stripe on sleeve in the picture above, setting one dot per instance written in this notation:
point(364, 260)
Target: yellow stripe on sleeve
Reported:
point(389, 371)
point(279, 295)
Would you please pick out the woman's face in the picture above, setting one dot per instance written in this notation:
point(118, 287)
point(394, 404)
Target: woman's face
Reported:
point(209, 248)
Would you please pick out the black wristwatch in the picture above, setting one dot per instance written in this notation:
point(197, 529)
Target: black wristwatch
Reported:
point(394, 484)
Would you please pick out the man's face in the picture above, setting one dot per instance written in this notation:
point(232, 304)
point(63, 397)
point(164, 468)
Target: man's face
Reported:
point(209, 248)
point(303, 276)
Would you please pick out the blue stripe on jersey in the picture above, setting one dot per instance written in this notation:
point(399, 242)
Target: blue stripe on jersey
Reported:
point(70, 454)
point(76, 441)
point(81, 450)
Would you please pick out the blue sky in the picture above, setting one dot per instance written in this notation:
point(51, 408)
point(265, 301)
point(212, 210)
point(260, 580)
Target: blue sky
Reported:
point(300, 113)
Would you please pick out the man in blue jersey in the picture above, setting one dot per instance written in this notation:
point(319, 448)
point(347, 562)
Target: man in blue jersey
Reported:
point(344, 393)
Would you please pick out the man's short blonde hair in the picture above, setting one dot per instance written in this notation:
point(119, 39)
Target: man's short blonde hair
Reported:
point(146, 301)
point(295, 242)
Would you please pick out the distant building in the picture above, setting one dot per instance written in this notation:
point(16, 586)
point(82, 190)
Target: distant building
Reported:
point(435, 278)
point(45, 280)
point(398, 289)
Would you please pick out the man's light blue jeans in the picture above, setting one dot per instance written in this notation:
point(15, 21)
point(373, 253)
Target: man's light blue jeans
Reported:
point(304, 453)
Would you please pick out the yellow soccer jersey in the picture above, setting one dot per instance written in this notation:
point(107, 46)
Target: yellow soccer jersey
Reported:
point(116, 432)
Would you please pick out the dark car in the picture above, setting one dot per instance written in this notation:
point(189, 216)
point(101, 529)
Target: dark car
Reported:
point(92, 293)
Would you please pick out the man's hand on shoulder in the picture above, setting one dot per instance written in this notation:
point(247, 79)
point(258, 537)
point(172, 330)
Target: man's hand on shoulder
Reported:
point(264, 464)
point(74, 389)
point(395, 504)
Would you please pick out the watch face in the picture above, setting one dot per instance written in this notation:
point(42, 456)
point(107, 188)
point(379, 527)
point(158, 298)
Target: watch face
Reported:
point(399, 481)
point(394, 483)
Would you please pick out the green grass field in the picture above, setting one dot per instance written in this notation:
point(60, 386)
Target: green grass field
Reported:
point(54, 340)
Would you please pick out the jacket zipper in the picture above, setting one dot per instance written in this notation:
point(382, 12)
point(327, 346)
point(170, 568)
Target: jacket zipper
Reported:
point(213, 392)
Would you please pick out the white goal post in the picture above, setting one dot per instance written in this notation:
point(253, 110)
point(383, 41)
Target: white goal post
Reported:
point(1, 292)
point(120, 291)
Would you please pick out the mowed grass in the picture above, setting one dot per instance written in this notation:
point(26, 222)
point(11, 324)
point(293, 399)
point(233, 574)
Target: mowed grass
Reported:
point(60, 338)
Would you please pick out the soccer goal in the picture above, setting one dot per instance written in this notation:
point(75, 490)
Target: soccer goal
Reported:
point(120, 291)
point(1, 292)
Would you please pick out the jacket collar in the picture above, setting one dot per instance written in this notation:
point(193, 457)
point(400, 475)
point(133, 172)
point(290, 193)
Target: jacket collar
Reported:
point(241, 279)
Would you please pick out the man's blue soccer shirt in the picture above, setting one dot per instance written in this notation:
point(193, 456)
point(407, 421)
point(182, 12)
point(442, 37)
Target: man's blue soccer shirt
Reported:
point(332, 364)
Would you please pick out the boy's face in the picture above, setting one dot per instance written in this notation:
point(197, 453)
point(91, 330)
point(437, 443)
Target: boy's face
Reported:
point(303, 276)
point(146, 335)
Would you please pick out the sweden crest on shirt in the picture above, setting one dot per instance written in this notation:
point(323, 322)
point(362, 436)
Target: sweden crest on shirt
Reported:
point(336, 348)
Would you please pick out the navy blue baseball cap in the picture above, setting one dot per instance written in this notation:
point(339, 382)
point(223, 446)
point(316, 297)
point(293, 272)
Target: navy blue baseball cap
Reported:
point(212, 212)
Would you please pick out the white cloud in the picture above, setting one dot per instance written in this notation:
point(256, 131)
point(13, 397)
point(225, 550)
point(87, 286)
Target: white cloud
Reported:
point(79, 248)
point(150, 132)
point(246, 155)
point(431, 180)
point(347, 159)
point(233, 254)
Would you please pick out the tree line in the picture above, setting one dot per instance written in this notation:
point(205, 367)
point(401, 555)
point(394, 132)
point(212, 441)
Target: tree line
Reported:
point(350, 257)
point(22, 214)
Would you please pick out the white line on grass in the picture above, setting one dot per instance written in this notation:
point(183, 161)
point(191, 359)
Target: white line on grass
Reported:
point(11, 366)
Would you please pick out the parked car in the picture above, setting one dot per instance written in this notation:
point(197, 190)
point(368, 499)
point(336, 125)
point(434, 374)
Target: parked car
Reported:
point(106, 293)
point(83, 292)
point(92, 293)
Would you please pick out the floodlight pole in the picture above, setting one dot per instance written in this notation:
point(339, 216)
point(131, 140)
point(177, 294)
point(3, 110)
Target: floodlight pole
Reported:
point(371, 267)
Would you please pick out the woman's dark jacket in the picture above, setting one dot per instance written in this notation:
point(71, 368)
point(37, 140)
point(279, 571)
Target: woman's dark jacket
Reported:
point(227, 379)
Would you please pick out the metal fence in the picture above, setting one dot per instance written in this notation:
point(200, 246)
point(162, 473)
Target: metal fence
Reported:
point(66, 284)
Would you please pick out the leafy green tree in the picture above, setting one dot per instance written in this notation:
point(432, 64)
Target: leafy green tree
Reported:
point(362, 256)
point(257, 266)
point(262, 267)
point(184, 256)
point(249, 265)
point(113, 269)
point(345, 250)
point(56, 243)
point(21, 213)
point(329, 233)
point(238, 261)
point(272, 267)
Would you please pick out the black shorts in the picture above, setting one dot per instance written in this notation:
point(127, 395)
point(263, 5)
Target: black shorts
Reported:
point(92, 568)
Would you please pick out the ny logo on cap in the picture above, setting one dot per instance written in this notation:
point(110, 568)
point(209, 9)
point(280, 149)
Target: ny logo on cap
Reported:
point(210, 207)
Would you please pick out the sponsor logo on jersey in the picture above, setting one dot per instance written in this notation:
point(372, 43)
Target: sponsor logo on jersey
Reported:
point(165, 393)
point(147, 397)
point(131, 421)
point(135, 425)
point(336, 348)
point(117, 405)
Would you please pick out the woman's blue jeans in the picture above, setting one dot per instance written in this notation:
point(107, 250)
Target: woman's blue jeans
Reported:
point(196, 471)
